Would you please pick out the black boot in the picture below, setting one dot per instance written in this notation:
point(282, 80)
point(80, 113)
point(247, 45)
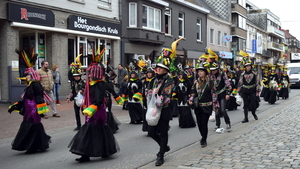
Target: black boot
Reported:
point(83, 159)
point(203, 143)
point(159, 160)
point(246, 116)
point(255, 116)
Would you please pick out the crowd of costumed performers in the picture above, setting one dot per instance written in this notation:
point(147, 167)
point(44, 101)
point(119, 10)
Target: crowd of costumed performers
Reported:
point(275, 82)
point(178, 88)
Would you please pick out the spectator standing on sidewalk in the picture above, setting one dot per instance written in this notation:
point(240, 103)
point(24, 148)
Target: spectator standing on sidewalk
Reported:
point(122, 72)
point(248, 87)
point(48, 83)
point(57, 82)
point(77, 86)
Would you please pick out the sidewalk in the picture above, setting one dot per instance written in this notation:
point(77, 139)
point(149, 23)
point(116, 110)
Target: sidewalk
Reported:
point(271, 142)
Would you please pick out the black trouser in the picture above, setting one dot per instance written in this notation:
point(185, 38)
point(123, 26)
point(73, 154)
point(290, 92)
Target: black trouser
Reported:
point(222, 111)
point(77, 114)
point(249, 102)
point(202, 121)
point(159, 133)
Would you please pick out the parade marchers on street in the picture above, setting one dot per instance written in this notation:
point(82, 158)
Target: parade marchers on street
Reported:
point(204, 89)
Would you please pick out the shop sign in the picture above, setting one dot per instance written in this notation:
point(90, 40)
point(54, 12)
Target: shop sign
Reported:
point(254, 46)
point(225, 55)
point(31, 15)
point(295, 56)
point(94, 26)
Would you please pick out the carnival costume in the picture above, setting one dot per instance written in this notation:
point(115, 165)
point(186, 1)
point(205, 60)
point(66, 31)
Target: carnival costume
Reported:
point(77, 87)
point(233, 80)
point(249, 88)
point(112, 121)
point(284, 85)
point(31, 135)
point(265, 86)
point(272, 82)
point(181, 92)
point(133, 92)
point(146, 68)
point(164, 84)
point(223, 88)
point(207, 101)
point(95, 138)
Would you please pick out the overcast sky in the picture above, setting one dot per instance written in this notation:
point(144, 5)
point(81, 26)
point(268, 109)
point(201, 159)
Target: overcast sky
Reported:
point(286, 10)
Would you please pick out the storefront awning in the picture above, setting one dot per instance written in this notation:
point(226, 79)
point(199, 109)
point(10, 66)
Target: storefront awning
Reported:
point(53, 29)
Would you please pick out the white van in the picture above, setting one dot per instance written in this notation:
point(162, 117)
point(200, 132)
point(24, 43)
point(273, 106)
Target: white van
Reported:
point(294, 74)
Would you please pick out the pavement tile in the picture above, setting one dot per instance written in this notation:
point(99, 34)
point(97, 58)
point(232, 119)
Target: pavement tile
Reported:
point(272, 143)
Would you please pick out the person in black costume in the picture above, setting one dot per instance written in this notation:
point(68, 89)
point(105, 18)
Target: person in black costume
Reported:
point(95, 138)
point(174, 100)
point(205, 91)
point(183, 88)
point(77, 86)
point(285, 84)
point(231, 103)
point(249, 88)
point(31, 135)
point(162, 86)
point(112, 121)
point(265, 88)
point(134, 92)
point(223, 88)
point(150, 74)
point(272, 82)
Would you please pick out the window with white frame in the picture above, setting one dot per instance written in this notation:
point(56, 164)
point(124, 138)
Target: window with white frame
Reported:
point(219, 37)
point(242, 22)
point(225, 43)
point(104, 4)
point(242, 44)
point(242, 3)
point(211, 36)
point(151, 18)
point(181, 24)
point(199, 30)
point(168, 21)
point(132, 14)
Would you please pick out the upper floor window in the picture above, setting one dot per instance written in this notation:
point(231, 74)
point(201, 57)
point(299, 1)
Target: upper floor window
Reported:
point(242, 44)
point(151, 18)
point(219, 37)
point(242, 22)
point(211, 36)
point(168, 21)
point(181, 24)
point(132, 15)
point(242, 3)
point(104, 4)
point(199, 30)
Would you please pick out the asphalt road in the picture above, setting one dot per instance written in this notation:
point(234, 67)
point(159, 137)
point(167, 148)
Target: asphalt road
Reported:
point(137, 149)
